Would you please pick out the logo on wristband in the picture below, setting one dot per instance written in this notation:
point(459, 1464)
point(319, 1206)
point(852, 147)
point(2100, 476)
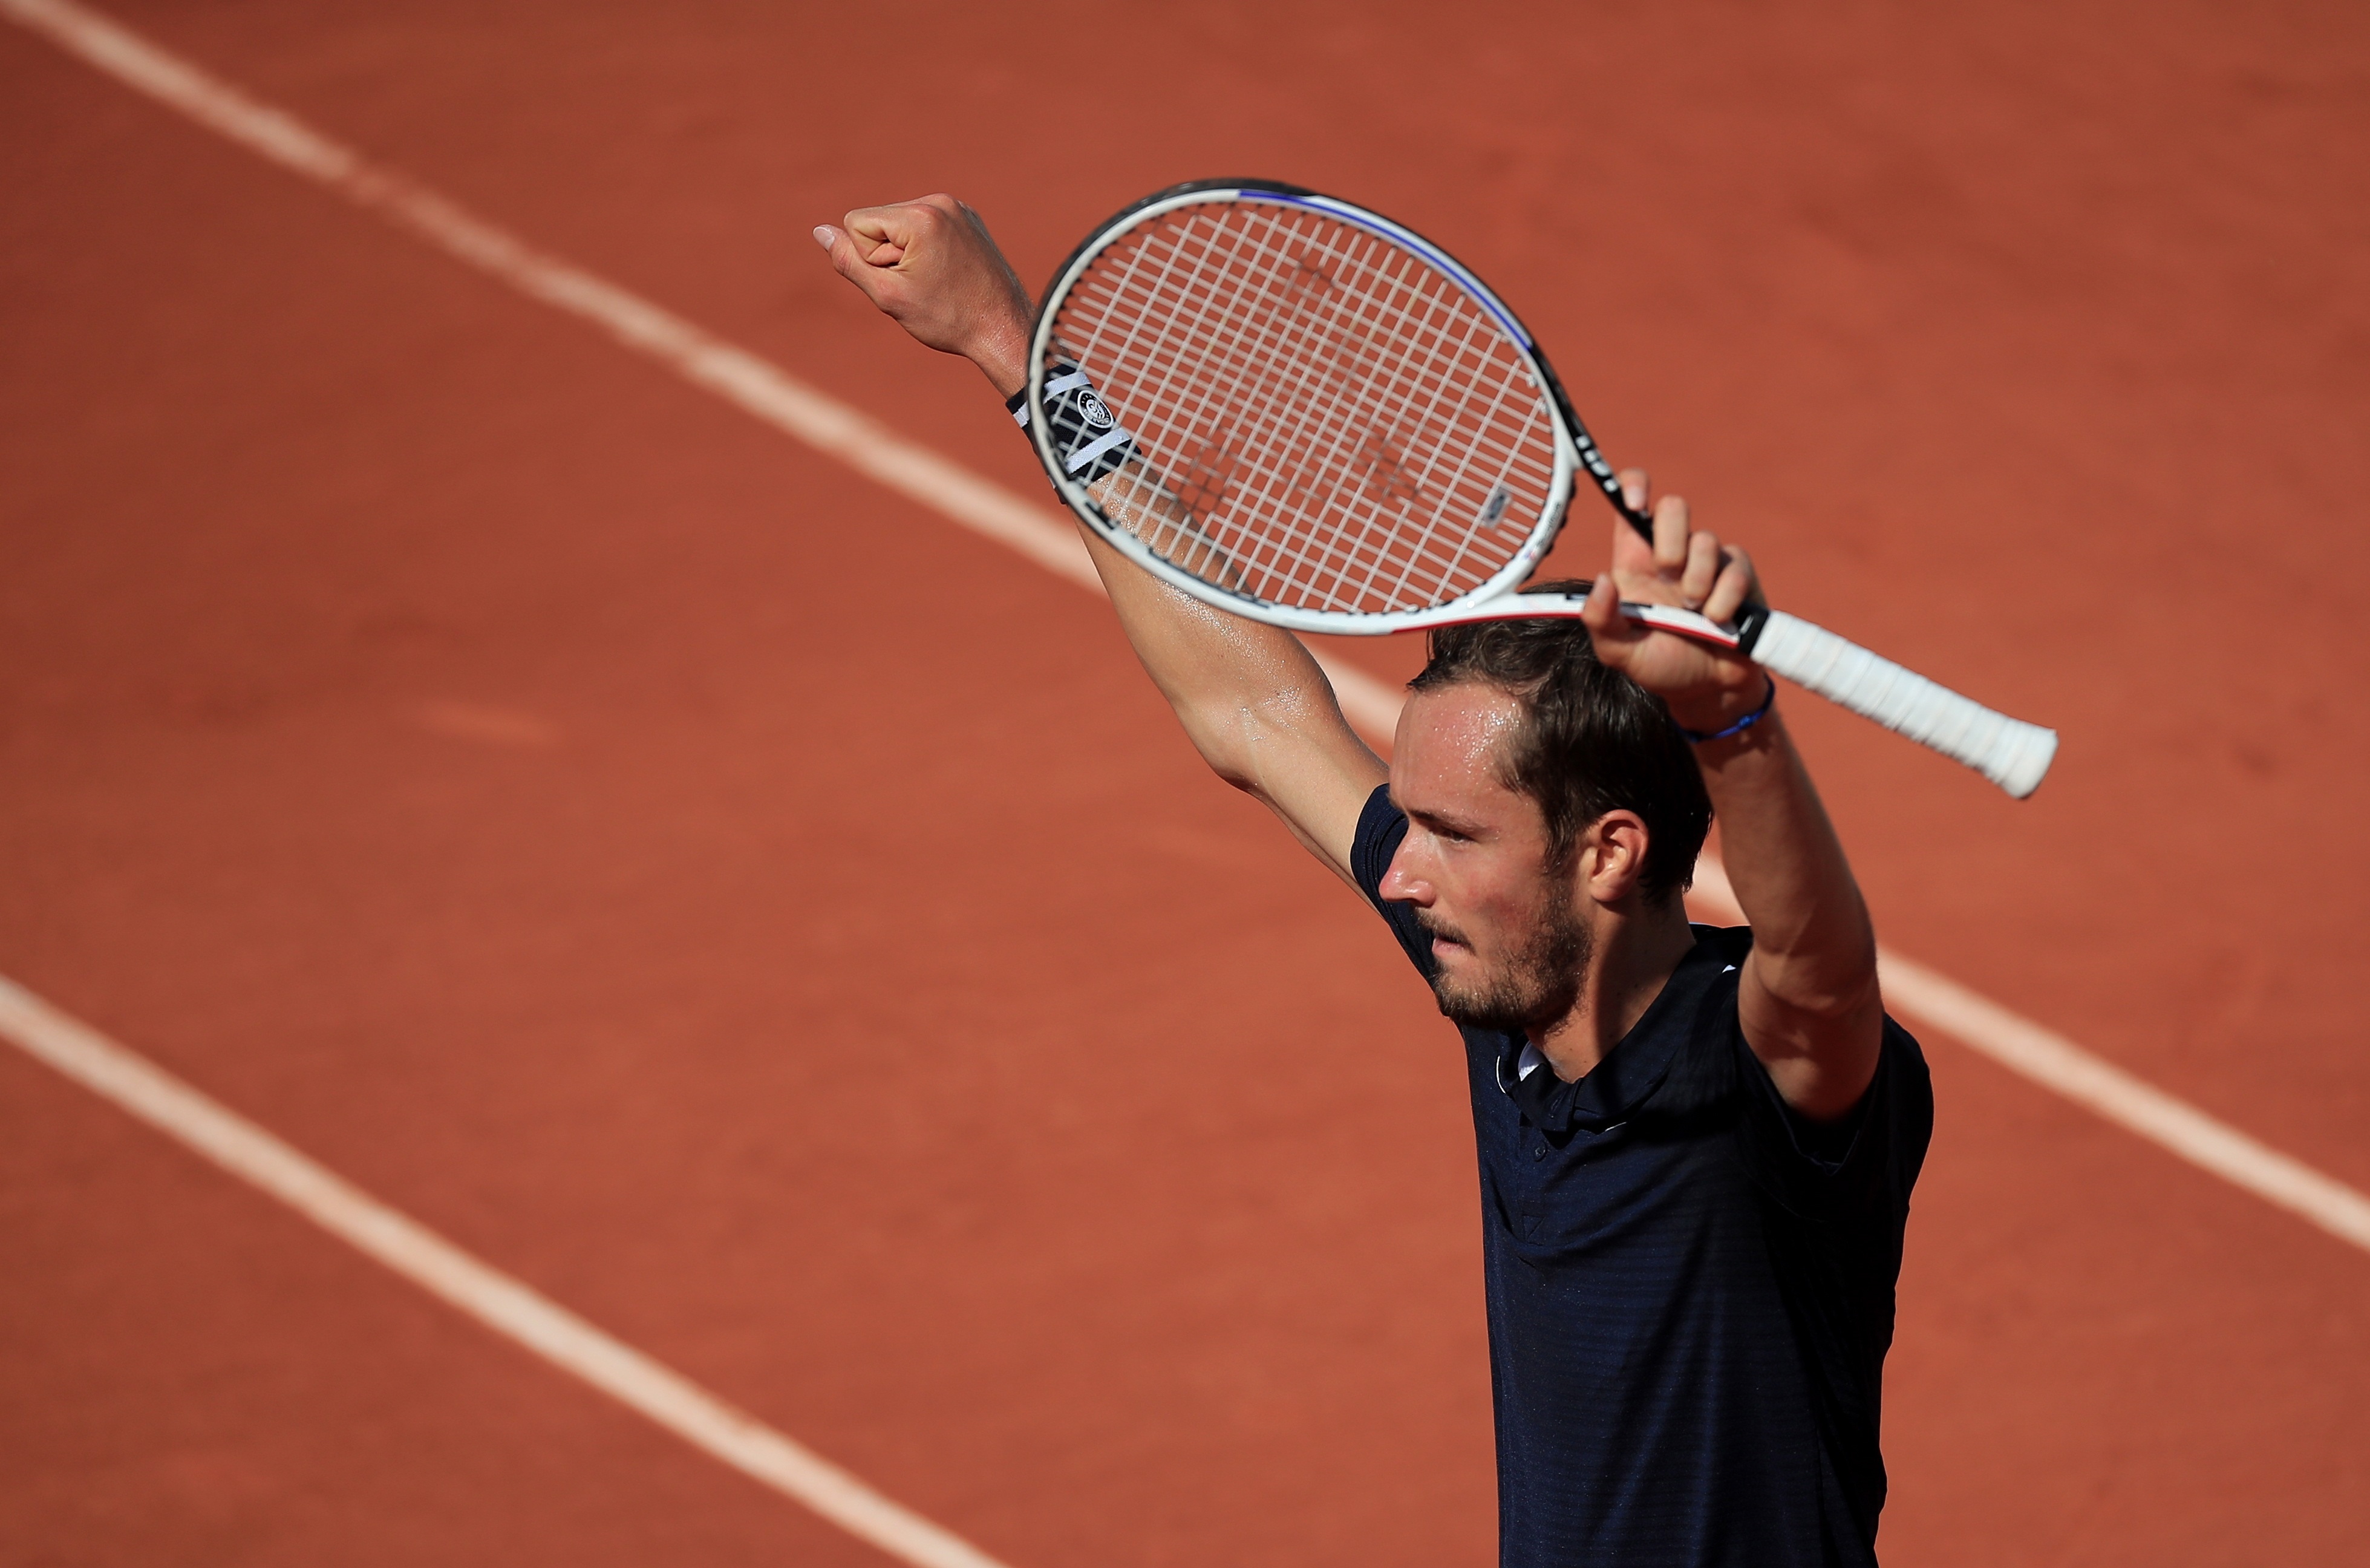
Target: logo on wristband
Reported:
point(1091, 408)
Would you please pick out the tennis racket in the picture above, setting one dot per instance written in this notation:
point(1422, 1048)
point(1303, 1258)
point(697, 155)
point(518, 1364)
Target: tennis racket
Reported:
point(1303, 412)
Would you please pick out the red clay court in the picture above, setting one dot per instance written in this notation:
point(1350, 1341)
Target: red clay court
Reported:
point(782, 926)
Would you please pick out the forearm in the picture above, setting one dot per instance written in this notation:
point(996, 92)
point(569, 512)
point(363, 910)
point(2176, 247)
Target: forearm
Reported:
point(1249, 696)
point(1239, 688)
point(1808, 1000)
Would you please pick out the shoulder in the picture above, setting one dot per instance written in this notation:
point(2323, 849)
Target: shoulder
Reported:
point(1693, 1024)
point(1863, 1162)
point(1381, 826)
point(1715, 1080)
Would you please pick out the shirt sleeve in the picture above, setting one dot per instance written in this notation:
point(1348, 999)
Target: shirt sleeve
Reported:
point(1381, 826)
point(1863, 1165)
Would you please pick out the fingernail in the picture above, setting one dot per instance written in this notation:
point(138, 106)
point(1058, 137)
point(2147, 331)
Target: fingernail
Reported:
point(825, 236)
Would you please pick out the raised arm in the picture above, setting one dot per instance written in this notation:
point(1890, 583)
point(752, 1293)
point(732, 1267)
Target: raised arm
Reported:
point(1808, 1000)
point(1252, 701)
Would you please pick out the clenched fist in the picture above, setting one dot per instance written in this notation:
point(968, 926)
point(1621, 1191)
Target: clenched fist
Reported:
point(932, 268)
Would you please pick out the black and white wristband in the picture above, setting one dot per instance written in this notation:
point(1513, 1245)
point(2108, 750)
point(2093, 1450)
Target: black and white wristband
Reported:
point(1086, 436)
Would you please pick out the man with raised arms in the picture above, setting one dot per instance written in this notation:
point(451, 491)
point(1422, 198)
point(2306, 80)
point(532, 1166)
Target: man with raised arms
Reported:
point(1696, 1146)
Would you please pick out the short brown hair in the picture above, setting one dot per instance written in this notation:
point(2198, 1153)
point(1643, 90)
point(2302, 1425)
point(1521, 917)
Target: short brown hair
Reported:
point(1590, 741)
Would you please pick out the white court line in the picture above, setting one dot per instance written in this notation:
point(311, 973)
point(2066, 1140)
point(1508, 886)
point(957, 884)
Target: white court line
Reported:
point(509, 1307)
point(769, 394)
point(1923, 996)
point(732, 373)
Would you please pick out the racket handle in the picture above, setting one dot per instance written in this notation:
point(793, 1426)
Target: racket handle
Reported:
point(2010, 752)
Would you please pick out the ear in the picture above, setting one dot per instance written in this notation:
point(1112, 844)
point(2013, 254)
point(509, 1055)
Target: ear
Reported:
point(1613, 857)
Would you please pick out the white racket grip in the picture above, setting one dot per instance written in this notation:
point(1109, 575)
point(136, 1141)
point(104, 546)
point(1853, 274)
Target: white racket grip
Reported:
point(2010, 752)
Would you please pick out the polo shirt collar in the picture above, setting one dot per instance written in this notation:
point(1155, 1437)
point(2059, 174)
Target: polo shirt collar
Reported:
point(1628, 1075)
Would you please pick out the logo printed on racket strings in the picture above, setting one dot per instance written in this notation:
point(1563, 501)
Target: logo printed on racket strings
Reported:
point(1384, 463)
point(1495, 508)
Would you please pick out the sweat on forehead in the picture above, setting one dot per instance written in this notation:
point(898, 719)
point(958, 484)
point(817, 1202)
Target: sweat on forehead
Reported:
point(1471, 719)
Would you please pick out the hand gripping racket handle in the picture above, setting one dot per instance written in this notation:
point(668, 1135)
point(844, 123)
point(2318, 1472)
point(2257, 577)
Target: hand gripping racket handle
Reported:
point(2010, 752)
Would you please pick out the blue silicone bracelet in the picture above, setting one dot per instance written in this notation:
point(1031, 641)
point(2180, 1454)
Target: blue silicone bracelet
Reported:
point(1699, 736)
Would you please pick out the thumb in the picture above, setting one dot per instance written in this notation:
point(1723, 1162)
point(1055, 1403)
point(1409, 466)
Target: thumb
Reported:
point(1612, 632)
point(847, 260)
point(839, 248)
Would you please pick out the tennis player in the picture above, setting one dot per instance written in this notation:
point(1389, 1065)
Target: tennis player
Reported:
point(1696, 1146)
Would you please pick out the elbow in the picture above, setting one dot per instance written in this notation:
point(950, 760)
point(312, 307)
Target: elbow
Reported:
point(1843, 996)
point(1236, 739)
point(1229, 754)
point(1831, 987)
point(1838, 1003)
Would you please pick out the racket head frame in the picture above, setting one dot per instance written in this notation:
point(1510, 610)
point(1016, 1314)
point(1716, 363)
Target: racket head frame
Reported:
point(1575, 452)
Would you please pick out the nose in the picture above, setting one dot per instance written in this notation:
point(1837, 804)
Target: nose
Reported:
point(1402, 883)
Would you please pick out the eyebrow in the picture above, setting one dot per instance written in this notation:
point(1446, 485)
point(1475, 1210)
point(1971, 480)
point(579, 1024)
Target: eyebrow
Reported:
point(1465, 826)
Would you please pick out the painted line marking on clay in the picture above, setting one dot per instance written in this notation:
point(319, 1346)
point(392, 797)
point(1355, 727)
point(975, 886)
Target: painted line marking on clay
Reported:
point(508, 1306)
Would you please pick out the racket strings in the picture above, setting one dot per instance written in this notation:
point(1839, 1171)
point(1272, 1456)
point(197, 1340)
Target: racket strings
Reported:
point(1261, 370)
point(1384, 465)
point(1318, 407)
point(1342, 358)
point(1344, 386)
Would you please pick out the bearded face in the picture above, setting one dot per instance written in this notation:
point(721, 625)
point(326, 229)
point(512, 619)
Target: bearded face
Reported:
point(1510, 942)
point(1531, 981)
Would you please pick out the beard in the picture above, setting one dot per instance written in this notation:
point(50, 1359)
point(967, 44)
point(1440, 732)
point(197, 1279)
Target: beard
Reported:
point(1537, 985)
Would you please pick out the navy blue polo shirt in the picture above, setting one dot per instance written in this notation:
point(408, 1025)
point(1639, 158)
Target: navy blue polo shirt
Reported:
point(1689, 1286)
